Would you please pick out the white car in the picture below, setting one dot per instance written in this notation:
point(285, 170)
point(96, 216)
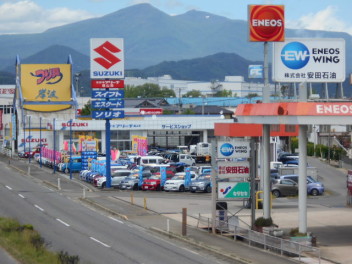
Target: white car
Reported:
point(177, 183)
point(116, 178)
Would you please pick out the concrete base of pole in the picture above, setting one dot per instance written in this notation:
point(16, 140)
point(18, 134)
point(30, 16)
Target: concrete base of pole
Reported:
point(29, 170)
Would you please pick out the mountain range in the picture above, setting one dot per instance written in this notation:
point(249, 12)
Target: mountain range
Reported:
point(154, 42)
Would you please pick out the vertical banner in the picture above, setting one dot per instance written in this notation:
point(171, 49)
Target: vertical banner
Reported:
point(140, 174)
point(163, 175)
point(188, 177)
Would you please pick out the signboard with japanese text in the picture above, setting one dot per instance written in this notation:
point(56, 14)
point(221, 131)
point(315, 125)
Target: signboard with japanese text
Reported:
point(233, 190)
point(309, 60)
point(112, 103)
point(89, 145)
point(108, 114)
point(233, 149)
point(106, 58)
point(230, 169)
point(49, 83)
point(266, 23)
point(110, 94)
point(99, 84)
point(7, 91)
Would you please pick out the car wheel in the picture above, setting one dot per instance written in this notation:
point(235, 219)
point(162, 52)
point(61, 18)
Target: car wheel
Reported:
point(208, 189)
point(314, 192)
point(193, 191)
point(103, 185)
point(182, 188)
point(66, 170)
point(276, 193)
point(158, 188)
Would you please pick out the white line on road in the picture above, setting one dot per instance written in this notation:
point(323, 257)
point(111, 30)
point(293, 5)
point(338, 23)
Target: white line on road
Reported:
point(96, 240)
point(20, 195)
point(62, 222)
point(8, 187)
point(38, 207)
point(116, 220)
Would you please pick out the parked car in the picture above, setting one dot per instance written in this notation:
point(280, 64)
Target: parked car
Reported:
point(75, 166)
point(284, 187)
point(314, 187)
point(131, 182)
point(284, 157)
point(116, 179)
point(177, 183)
point(201, 184)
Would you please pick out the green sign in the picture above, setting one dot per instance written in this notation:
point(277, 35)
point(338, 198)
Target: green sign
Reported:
point(231, 190)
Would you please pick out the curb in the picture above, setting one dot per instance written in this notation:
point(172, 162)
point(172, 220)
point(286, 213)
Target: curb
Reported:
point(200, 245)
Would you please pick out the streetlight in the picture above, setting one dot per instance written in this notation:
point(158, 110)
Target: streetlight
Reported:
point(77, 75)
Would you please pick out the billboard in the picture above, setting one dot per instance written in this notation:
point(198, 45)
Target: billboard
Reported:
point(233, 149)
point(106, 58)
point(266, 23)
point(231, 169)
point(233, 190)
point(255, 71)
point(309, 60)
point(46, 83)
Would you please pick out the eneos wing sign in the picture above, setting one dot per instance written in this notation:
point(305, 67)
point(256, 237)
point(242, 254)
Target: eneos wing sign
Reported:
point(106, 58)
point(266, 23)
point(310, 60)
point(49, 83)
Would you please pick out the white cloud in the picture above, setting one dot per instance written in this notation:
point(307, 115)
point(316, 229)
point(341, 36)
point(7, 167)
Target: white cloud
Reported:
point(27, 17)
point(325, 19)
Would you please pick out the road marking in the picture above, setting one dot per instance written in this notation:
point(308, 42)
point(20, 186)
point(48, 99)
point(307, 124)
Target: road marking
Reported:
point(38, 207)
point(8, 187)
point(96, 240)
point(196, 253)
point(20, 195)
point(116, 220)
point(62, 222)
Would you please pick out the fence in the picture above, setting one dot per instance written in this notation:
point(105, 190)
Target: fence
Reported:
point(298, 248)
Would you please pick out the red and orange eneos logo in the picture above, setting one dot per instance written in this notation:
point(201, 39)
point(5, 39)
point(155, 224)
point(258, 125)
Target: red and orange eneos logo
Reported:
point(266, 22)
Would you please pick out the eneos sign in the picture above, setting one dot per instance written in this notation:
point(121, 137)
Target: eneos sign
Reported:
point(266, 23)
point(233, 149)
point(311, 60)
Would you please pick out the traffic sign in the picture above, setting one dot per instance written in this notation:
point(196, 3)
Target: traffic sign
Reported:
point(108, 114)
point(113, 103)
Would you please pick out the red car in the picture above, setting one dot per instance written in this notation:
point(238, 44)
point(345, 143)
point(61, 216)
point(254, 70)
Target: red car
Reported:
point(154, 182)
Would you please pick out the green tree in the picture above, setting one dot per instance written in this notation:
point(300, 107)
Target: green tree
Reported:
point(87, 109)
point(193, 93)
point(148, 90)
point(223, 93)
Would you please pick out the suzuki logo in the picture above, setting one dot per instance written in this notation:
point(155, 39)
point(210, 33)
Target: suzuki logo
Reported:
point(106, 50)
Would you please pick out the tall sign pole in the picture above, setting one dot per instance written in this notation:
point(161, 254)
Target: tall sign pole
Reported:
point(107, 64)
point(266, 24)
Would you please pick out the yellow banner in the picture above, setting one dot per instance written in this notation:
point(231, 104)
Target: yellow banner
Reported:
point(46, 83)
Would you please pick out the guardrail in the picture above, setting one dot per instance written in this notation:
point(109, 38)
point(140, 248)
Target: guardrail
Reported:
point(299, 248)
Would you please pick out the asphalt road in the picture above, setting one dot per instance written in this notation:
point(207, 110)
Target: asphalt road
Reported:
point(67, 225)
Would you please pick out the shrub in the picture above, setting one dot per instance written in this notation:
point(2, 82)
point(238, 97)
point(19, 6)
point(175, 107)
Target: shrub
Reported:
point(294, 232)
point(261, 221)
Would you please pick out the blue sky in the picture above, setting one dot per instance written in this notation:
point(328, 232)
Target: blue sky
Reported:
point(35, 16)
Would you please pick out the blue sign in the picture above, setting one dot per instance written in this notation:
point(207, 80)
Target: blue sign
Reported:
point(108, 114)
point(226, 149)
point(114, 103)
point(111, 94)
point(86, 157)
point(295, 55)
point(255, 71)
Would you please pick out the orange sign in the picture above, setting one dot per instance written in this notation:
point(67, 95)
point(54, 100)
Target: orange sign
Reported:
point(46, 83)
point(266, 23)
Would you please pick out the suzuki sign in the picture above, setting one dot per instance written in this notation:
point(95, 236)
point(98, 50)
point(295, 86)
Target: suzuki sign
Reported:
point(106, 58)
point(309, 60)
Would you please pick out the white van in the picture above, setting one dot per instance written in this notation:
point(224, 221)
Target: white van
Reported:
point(152, 160)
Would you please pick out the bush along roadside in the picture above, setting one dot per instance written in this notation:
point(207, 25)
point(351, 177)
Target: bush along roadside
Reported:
point(27, 246)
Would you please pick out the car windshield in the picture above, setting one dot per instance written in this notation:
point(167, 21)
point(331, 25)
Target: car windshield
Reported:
point(130, 178)
point(203, 177)
point(154, 177)
point(311, 179)
point(177, 178)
